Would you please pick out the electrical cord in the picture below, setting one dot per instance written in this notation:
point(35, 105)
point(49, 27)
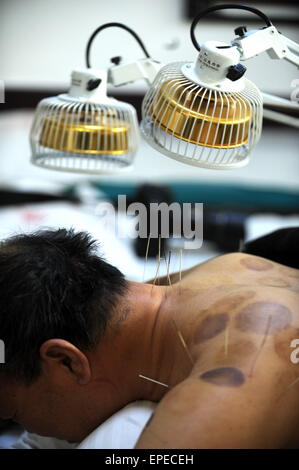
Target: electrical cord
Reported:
point(225, 6)
point(108, 25)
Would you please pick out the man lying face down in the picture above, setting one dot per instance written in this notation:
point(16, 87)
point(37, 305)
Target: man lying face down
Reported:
point(79, 340)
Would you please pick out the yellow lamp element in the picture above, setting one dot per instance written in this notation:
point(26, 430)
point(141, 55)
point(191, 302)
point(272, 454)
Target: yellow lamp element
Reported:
point(202, 117)
point(92, 132)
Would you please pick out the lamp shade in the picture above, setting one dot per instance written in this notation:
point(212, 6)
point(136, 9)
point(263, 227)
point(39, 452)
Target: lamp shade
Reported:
point(199, 122)
point(84, 131)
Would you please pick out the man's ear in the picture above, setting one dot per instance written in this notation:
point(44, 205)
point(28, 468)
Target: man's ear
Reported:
point(58, 352)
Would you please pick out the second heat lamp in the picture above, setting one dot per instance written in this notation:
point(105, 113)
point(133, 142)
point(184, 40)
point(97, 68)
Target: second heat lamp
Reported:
point(85, 130)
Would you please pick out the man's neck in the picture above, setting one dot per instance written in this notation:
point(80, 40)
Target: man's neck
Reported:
point(144, 344)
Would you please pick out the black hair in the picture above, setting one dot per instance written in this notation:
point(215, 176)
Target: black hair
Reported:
point(53, 284)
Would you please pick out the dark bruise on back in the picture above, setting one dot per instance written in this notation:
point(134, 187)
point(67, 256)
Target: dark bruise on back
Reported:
point(256, 264)
point(211, 326)
point(216, 316)
point(259, 317)
point(224, 377)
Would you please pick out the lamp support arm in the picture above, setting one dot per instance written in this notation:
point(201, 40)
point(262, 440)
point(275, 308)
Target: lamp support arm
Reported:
point(122, 74)
point(270, 40)
point(277, 46)
point(251, 44)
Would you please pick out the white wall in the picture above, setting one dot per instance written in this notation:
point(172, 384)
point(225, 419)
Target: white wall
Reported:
point(41, 41)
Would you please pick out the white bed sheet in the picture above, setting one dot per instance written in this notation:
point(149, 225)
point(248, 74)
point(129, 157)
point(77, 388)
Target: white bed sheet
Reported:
point(120, 431)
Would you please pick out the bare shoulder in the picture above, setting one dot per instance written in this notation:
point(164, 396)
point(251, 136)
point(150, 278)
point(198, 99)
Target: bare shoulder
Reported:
point(243, 390)
point(242, 268)
point(255, 264)
point(249, 262)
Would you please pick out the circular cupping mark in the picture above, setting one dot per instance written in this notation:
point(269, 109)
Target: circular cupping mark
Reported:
point(224, 377)
point(211, 326)
point(263, 317)
point(256, 264)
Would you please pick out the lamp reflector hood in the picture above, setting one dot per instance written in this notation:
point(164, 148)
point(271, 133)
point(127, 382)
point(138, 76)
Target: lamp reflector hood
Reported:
point(195, 114)
point(84, 131)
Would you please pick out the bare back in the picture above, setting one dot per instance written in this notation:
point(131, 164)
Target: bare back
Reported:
point(238, 315)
